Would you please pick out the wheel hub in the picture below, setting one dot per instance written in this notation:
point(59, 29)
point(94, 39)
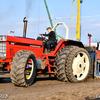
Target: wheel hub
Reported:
point(79, 67)
point(80, 64)
point(29, 69)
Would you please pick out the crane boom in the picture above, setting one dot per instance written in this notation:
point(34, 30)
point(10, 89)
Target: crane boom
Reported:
point(48, 13)
point(51, 20)
point(77, 37)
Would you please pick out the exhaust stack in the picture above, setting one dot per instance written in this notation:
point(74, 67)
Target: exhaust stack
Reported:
point(25, 27)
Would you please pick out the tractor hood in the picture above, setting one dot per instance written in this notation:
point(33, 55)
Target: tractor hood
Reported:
point(22, 40)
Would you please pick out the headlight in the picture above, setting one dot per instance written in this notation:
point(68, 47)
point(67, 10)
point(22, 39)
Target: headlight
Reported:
point(2, 54)
point(2, 49)
point(3, 38)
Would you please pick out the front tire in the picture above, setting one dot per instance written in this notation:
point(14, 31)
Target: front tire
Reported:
point(23, 68)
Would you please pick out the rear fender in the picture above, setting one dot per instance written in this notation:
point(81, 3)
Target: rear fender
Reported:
point(63, 43)
point(73, 43)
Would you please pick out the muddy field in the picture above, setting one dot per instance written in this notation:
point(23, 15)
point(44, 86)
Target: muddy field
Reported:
point(46, 88)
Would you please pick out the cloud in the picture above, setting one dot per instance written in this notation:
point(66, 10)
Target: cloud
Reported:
point(97, 25)
point(92, 27)
point(4, 14)
point(40, 20)
point(19, 23)
point(36, 26)
point(28, 7)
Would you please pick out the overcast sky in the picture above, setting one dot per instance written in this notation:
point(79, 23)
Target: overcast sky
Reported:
point(12, 13)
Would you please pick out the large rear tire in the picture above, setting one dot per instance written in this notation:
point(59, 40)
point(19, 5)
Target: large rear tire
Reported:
point(23, 68)
point(77, 65)
point(60, 60)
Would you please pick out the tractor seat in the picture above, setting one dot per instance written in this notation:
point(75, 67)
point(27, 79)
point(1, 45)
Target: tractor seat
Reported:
point(53, 47)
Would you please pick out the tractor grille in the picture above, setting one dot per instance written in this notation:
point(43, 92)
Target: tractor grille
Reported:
point(12, 52)
point(2, 49)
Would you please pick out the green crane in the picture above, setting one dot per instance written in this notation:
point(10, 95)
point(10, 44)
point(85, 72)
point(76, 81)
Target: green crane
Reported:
point(51, 20)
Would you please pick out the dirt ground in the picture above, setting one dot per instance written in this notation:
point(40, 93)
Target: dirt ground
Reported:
point(46, 88)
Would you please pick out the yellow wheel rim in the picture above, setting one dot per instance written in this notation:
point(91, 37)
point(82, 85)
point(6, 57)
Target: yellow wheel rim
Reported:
point(29, 69)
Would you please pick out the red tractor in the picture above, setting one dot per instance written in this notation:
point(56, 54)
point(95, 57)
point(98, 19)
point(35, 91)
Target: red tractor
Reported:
point(24, 59)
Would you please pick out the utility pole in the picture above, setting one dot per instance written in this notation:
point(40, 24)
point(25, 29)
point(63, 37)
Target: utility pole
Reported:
point(78, 20)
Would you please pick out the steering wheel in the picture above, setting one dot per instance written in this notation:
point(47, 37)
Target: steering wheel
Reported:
point(43, 37)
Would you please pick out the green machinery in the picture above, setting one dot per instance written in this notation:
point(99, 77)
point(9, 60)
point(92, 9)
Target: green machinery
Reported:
point(78, 33)
point(51, 20)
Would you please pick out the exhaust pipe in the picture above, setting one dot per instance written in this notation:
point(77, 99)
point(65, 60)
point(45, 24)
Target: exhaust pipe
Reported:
point(25, 27)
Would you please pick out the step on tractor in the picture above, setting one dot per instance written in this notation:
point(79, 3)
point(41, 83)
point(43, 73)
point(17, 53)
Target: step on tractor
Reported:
point(24, 58)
